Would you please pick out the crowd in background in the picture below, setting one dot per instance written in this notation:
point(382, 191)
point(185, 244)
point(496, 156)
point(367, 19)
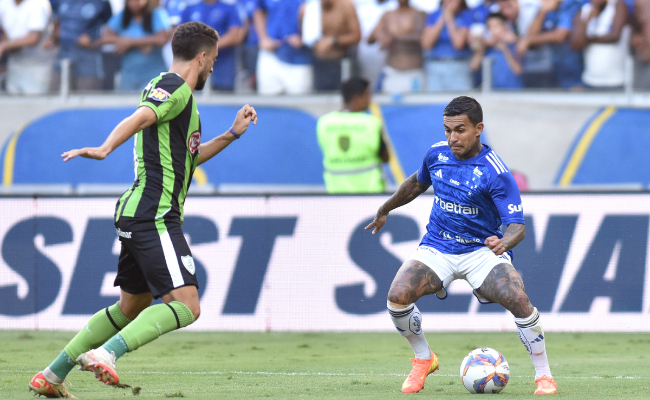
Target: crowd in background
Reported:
point(305, 46)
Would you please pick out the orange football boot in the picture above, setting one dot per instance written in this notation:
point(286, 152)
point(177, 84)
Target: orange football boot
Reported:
point(421, 369)
point(545, 385)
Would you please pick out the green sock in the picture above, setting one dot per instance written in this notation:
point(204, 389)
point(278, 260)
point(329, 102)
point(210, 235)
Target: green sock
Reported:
point(62, 365)
point(149, 325)
point(100, 327)
point(117, 345)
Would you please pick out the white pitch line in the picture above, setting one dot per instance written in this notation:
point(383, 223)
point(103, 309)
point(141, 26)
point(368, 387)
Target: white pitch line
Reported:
point(329, 374)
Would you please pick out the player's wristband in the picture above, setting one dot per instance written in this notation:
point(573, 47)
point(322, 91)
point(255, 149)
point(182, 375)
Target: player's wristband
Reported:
point(234, 133)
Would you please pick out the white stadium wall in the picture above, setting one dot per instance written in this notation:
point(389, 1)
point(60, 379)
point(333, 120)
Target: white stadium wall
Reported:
point(304, 263)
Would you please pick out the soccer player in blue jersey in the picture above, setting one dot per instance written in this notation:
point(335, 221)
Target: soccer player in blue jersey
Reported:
point(474, 194)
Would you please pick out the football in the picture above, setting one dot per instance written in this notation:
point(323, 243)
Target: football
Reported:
point(484, 370)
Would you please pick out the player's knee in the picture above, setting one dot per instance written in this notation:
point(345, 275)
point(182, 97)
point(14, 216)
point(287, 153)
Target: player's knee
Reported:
point(194, 307)
point(196, 311)
point(396, 299)
point(131, 306)
point(519, 305)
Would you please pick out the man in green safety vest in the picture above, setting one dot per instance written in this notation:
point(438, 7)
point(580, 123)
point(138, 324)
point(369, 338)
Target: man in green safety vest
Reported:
point(352, 143)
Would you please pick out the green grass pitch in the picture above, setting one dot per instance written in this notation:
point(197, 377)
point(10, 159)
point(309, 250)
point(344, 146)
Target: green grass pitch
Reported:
point(332, 365)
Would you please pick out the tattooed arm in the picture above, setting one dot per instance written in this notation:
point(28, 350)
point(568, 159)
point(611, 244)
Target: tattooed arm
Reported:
point(408, 190)
point(513, 235)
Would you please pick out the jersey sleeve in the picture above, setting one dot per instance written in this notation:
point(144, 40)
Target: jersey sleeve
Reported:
point(115, 23)
point(433, 18)
point(160, 20)
point(234, 17)
point(166, 98)
point(465, 19)
point(423, 173)
point(506, 197)
point(39, 16)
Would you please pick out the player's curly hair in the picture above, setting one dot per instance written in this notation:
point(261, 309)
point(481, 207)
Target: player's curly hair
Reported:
point(191, 38)
point(464, 105)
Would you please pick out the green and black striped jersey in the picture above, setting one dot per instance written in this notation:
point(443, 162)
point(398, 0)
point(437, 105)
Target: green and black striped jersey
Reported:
point(165, 154)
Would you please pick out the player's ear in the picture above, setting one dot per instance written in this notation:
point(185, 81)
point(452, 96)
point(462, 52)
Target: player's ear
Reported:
point(479, 128)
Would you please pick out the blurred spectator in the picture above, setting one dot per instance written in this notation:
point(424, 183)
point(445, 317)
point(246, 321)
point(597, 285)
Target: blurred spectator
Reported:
point(445, 44)
point(600, 32)
point(477, 31)
point(522, 181)
point(519, 13)
point(352, 144)
point(250, 47)
point(111, 61)
point(174, 10)
point(28, 66)
point(138, 32)
point(400, 32)
point(506, 65)
point(283, 63)
point(224, 18)
point(77, 25)
point(641, 45)
point(370, 57)
point(551, 61)
point(330, 28)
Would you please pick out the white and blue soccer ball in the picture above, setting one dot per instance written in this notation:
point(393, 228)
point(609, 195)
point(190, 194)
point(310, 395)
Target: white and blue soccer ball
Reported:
point(484, 370)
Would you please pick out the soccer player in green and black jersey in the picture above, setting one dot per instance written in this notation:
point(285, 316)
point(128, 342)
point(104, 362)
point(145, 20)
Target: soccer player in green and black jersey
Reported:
point(155, 260)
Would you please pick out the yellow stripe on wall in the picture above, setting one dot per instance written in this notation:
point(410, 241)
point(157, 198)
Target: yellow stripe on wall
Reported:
point(581, 149)
point(10, 158)
point(393, 163)
point(200, 176)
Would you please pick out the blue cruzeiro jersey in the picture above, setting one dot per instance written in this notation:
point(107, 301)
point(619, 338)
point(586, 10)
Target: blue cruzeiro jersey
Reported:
point(472, 199)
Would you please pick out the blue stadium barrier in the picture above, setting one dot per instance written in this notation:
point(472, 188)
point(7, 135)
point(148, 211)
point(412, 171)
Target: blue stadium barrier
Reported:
point(611, 149)
point(281, 150)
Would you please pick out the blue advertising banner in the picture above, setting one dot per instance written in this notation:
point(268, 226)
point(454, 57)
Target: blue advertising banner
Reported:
point(305, 263)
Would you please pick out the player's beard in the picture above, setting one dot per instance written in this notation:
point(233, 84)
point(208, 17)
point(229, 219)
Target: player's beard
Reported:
point(200, 82)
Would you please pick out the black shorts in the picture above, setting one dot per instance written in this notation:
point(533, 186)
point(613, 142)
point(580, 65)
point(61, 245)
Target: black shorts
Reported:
point(155, 257)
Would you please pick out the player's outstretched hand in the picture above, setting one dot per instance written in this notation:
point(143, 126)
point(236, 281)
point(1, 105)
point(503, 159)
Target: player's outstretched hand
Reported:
point(377, 223)
point(495, 244)
point(87, 152)
point(245, 116)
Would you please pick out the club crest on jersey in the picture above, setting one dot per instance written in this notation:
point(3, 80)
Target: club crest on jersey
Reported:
point(188, 263)
point(344, 143)
point(194, 142)
point(159, 94)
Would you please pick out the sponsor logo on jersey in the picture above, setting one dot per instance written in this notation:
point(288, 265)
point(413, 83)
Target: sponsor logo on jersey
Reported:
point(188, 263)
point(194, 142)
point(121, 233)
point(512, 208)
point(438, 174)
point(442, 158)
point(454, 182)
point(459, 239)
point(455, 208)
point(159, 94)
point(477, 172)
point(464, 240)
